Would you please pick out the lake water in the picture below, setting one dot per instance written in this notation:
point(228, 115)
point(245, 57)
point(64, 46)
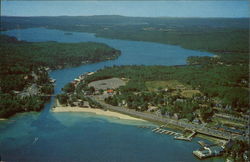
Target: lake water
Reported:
point(47, 136)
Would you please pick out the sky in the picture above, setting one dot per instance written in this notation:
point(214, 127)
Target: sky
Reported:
point(198, 8)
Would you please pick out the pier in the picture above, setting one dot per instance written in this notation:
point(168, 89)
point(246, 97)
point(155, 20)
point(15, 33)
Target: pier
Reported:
point(202, 143)
point(186, 138)
point(164, 131)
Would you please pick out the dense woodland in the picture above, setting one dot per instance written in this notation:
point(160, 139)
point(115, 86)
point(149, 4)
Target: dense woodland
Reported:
point(23, 76)
point(218, 35)
point(54, 55)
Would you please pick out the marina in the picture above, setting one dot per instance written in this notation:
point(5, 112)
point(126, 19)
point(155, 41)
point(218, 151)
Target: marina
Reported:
point(164, 131)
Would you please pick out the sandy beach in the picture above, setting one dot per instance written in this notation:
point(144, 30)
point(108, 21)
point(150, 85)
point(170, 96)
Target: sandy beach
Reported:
point(95, 111)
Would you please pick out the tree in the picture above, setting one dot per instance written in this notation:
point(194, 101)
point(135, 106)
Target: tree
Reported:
point(206, 113)
point(68, 88)
point(62, 98)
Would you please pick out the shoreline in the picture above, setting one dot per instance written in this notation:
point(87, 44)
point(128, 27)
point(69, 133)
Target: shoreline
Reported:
point(95, 111)
point(107, 113)
point(120, 115)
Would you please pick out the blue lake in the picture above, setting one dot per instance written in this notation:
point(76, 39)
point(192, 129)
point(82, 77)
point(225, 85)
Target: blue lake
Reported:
point(47, 136)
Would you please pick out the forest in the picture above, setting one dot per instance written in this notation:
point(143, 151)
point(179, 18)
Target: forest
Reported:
point(222, 36)
point(55, 55)
point(229, 84)
point(23, 75)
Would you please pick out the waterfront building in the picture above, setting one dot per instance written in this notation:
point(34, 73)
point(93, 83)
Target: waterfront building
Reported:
point(209, 152)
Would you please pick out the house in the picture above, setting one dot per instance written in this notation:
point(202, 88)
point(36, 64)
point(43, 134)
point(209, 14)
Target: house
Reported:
point(110, 91)
point(16, 92)
point(228, 144)
point(52, 80)
point(26, 77)
point(152, 108)
point(90, 73)
point(230, 130)
point(216, 150)
point(74, 104)
point(176, 116)
point(77, 80)
point(86, 104)
point(246, 155)
point(179, 100)
point(196, 121)
point(23, 94)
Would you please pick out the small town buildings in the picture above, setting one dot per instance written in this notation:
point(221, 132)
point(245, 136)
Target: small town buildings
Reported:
point(228, 144)
point(85, 104)
point(176, 116)
point(246, 155)
point(230, 130)
point(110, 91)
point(90, 73)
point(77, 80)
point(52, 80)
point(196, 121)
point(16, 92)
point(152, 108)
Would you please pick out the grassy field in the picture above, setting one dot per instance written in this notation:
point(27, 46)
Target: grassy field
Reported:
point(174, 85)
point(190, 93)
point(170, 84)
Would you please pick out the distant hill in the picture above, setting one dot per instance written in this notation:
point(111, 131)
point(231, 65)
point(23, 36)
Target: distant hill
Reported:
point(222, 36)
point(26, 22)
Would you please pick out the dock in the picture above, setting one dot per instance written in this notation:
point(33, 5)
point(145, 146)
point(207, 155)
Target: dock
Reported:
point(160, 130)
point(182, 138)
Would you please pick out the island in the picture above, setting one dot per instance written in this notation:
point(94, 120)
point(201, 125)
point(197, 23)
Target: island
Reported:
point(24, 81)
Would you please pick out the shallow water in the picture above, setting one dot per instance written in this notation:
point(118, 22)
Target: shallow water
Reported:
point(47, 136)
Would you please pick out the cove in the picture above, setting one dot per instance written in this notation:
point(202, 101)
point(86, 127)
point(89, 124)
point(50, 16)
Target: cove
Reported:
point(47, 136)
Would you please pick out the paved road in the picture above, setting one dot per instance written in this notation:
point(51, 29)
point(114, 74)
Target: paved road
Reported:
point(195, 127)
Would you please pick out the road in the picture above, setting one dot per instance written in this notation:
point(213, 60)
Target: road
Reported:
point(195, 127)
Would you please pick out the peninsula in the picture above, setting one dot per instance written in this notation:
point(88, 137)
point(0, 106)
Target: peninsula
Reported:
point(24, 81)
point(172, 103)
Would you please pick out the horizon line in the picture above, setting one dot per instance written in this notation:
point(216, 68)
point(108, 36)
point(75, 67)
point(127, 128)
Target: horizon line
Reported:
point(127, 16)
